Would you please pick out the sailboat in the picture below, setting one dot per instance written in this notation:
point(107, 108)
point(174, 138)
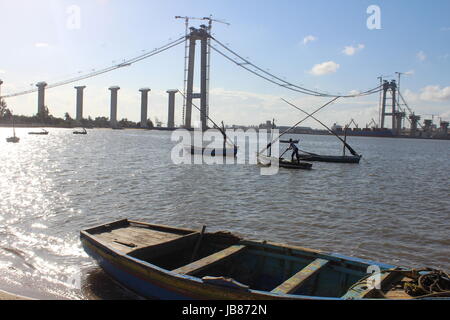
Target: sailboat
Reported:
point(14, 138)
point(80, 132)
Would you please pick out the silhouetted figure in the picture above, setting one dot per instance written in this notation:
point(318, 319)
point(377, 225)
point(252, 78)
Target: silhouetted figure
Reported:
point(294, 148)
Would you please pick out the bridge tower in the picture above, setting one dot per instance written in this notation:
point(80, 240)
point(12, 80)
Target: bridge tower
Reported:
point(396, 115)
point(203, 36)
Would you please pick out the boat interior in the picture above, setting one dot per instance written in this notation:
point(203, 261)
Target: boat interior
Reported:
point(256, 265)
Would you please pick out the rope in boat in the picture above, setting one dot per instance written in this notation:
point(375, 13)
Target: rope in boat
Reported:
point(427, 283)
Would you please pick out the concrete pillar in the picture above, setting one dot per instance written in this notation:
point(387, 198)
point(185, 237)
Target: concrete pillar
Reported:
point(414, 121)
point(79, 113)
point(394, 109)
point(190, 81)
point(144, 106)
point(171, 117)
point(383, 107)
point(203, 80)
point(113, 117)
point(41, 97)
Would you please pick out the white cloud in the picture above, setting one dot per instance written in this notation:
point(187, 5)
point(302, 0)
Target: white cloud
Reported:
point(435, 93)
point(421, 56)
point(410, 72)
point(445, 29)
point(41, 45)
point(2, 71)
point(325, 68)
point(309, 38)
point(350, 50)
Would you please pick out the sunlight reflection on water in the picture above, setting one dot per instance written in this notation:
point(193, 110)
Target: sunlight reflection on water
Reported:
point(391, 207)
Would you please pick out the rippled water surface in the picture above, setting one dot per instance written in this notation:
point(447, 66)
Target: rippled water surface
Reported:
point(394, 207)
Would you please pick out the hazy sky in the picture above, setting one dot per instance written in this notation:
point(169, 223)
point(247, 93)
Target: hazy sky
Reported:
point(324, 45)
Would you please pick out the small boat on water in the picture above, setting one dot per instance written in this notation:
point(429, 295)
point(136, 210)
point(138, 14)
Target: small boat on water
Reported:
point(334, 159)
point(42, 133)
point(283, 163)
point(14, 138)
point(170, 263)
point(80, 132)
point(213, 152)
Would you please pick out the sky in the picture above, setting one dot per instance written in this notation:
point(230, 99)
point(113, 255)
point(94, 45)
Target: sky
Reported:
point(338, 47)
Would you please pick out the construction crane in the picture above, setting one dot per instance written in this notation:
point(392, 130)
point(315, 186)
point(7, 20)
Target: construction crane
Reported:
point(186, 57)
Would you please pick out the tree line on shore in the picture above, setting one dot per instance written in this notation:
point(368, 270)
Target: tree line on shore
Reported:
point(46, 119)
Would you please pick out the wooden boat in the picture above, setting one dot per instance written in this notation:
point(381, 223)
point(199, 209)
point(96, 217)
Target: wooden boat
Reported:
point(283, 163)
point(213, 152)
point(80, 132)
point(287, 164)
point(334, 159)
point(42, 133)
point(14, 138)
point(169, 263)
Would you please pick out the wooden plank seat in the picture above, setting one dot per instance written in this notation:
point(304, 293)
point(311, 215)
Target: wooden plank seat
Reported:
point(211, 260)
point(295, 282)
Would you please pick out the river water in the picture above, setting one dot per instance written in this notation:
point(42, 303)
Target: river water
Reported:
point(394, 207)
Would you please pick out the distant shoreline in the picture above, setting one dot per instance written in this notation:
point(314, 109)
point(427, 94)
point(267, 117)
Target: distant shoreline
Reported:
point(312, 132)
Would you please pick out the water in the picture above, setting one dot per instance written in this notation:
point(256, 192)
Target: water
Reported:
point(394, 207)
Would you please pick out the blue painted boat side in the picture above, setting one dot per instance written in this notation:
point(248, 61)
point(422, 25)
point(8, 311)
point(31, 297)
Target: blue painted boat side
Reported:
point(363, 261)
point(168, 291)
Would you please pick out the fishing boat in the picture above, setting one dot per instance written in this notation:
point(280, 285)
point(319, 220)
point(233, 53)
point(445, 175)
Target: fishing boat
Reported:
point(308, 156)
point(14, 138)
point(213, 152)
point(42, 133)
point(335, 159)
point(283, 163)
point(80, 132)
point(170, 263)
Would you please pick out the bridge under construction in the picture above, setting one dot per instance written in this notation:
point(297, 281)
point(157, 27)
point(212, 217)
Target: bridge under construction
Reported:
point(398, 111)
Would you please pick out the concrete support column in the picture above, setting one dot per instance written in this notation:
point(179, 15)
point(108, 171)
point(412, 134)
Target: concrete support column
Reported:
point(144, 106)
point(190, 82)
point(113, 118)
point(203, 82)
point(394, 108)
point(383, 107)
point(171, 117)
point(79, 113)
point(41, 97)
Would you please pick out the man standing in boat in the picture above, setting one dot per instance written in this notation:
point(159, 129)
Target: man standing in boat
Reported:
point(294, 148)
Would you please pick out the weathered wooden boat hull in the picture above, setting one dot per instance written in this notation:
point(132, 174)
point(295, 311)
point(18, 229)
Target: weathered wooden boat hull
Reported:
point(282, 163)
point(331, 159)
point(295, 165)
point(213, 152)
point(163, 263)
point(38, 133)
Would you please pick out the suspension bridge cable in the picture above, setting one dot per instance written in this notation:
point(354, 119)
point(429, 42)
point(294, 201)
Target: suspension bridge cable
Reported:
point(281, 82)
point(123, 64)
